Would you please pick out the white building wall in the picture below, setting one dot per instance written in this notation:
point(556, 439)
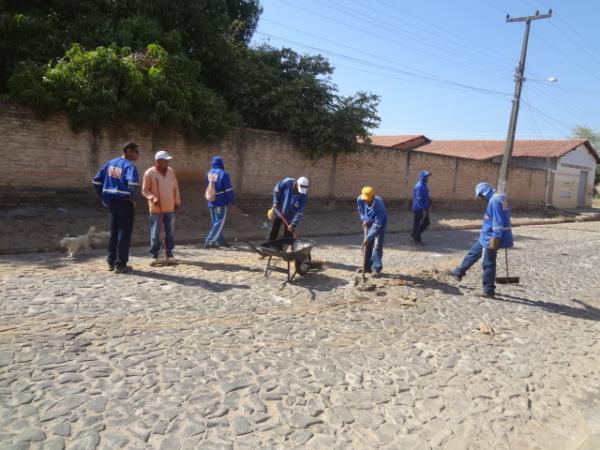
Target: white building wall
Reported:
point(567, 176)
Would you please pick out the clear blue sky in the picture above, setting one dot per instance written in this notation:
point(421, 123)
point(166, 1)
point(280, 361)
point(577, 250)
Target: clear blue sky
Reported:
point(417, 55)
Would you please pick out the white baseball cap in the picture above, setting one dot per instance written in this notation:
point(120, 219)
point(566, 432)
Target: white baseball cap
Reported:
point(161, 154)
point(302, 184)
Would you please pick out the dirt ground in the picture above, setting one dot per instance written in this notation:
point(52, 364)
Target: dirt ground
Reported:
point(40, 228)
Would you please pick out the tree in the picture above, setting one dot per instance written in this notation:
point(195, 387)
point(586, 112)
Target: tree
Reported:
point(583, 132)
point(186, 64)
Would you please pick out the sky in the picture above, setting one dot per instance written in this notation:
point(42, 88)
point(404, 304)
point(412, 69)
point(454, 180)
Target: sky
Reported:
point(445, 69)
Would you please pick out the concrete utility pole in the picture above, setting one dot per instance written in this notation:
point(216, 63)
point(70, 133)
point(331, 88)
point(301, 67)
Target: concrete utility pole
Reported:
point(519, 78)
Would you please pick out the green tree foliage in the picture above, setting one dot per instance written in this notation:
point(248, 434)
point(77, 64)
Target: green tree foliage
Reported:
point(583, 132)
point(186, 63)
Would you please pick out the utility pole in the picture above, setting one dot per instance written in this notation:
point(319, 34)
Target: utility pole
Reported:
point(519, 78)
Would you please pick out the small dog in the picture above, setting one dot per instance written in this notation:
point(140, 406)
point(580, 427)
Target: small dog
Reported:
point(84, 242)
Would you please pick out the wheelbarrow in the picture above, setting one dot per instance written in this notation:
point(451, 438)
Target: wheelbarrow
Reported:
point(295, 253)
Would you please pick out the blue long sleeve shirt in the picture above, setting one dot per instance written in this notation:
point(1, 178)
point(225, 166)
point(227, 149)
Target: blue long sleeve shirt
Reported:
point(496, 221)
point(375, 216)
point(117, 180)
point(225, 193)
point(421, 199)
point(291, 204)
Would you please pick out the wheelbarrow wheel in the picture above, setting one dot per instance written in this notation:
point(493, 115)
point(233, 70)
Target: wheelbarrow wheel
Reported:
point(303, 265)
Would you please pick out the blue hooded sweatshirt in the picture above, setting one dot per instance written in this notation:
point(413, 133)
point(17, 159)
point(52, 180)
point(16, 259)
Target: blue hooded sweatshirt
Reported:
point(496, 221)
point(421, 193)
point(225, 195)
point(117, 180)
point(291, 204)
point(375, 216)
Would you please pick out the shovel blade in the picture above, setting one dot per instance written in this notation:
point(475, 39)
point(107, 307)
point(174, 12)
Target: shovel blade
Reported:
point(508, 280)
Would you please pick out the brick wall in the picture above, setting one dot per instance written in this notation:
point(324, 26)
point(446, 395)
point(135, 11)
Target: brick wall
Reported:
point(45, 160)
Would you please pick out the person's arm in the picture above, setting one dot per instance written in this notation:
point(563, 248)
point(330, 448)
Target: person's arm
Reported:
point(498, 225)
point(176, 195)
point(426, 199)
point(299, 212)
point(378, 222)
point(147, 188)
point(133, 184)
point(228, 189)
point(98, 180)
point(277, 194)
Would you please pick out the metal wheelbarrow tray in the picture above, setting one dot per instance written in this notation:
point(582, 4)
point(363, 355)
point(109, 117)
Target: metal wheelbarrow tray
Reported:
point(298, 254)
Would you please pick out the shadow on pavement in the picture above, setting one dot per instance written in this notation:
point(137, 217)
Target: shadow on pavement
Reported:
point(425, 282)
point(226, 267)
point(188, 281)
point(439, 241)
point(587, 312)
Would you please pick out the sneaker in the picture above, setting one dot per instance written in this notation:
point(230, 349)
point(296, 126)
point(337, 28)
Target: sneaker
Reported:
point(455, 275)
point(489, 295)
point(123, 269)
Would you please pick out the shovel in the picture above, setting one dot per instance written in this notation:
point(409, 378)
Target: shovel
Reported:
point(507, 279)
point(363, 278)
point(281, 216)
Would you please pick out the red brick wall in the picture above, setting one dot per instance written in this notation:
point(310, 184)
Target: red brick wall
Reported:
point(45, 155)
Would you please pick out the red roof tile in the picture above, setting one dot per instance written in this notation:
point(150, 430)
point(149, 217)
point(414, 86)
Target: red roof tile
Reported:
point(393, 141)
point(482, 150)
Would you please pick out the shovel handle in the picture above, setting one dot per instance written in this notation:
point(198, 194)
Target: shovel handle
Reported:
point(280, 215)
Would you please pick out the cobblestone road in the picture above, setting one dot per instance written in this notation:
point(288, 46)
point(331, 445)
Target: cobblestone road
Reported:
point(209, 354)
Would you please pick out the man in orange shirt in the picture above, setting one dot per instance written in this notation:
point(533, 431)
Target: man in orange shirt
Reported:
point(162, 192)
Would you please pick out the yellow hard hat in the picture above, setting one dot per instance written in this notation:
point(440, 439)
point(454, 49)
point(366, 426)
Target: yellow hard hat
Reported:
point(367, 193)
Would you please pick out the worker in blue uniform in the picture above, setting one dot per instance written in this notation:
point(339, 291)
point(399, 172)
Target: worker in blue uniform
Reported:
point(421, 204)
point(289, 200)
point(374, 222)
point(117, 184)
point(496, 233)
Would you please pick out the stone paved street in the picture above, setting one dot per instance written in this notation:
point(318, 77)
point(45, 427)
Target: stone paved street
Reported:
point(210, 354)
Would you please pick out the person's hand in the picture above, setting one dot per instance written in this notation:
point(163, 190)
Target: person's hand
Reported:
point(365, 227)
point(290, 228)
point(270, 214)
point(494, 244)
point(156, 201)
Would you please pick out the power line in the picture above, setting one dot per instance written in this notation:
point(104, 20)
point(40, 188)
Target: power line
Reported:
point(346, 46)
point(486, 50)
point(388, 39)
point(573, 60)
point(434, 79)
point(344, 9)
point(547, 116)
point(567, 35)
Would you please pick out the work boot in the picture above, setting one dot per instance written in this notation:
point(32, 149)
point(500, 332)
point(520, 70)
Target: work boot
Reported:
point(376, 275)
point(154, 261)
point(359, 270)
point(489, 295)
point(455, 275)
point(111, 267)
point(171, 260)
point(123, 269)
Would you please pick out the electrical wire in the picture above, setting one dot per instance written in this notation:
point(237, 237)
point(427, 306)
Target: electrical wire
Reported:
point(423, 41)
point(496, 72)
point(434, 79)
